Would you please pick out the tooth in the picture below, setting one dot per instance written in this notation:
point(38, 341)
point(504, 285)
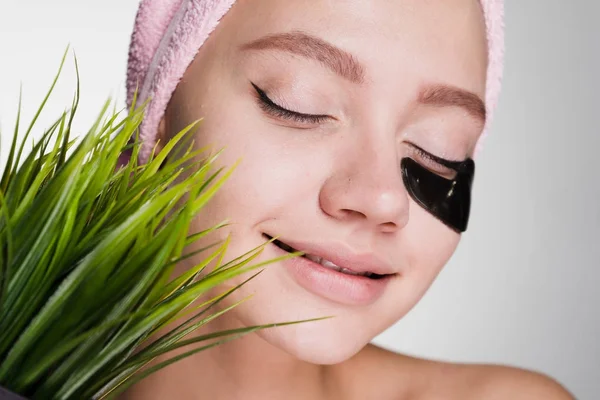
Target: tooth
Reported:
point(330, 265)
point(323, 262)
point(314, 258)
point(349, 272)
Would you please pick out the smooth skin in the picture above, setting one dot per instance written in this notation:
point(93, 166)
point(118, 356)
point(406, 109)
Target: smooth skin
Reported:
point(333, 179)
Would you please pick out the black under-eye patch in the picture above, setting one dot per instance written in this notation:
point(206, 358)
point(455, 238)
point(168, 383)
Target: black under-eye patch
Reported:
point(449, 200)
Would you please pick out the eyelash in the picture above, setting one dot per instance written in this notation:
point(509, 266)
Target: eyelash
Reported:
point(275, 110)
point(448, 165)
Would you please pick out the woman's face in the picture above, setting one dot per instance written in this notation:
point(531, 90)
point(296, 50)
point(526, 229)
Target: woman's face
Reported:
point(321, 100)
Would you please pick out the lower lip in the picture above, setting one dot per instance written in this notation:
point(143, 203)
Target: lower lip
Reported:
point(333, 285)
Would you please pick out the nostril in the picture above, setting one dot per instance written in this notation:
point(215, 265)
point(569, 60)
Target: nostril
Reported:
point(388, 227)
point(348, 214)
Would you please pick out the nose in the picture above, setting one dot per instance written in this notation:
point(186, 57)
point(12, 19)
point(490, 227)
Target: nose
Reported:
point(367, 189)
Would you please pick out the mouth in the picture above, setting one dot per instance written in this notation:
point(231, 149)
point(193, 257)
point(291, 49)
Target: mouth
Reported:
point(326, 263)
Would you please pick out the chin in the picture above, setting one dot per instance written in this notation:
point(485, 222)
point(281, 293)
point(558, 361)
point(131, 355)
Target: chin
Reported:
point(323, 342)
point(318, 342)
point(276, 298)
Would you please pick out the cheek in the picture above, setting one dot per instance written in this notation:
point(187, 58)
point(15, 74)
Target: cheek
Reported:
point(426, 245)
point(430, 244)
point(275, 173)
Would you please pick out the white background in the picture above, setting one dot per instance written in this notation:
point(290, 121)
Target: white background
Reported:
point(523, 287)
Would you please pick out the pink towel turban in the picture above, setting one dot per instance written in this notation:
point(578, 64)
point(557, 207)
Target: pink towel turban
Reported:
point(168, 34)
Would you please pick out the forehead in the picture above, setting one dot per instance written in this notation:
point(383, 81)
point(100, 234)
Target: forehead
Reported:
point(434, 40)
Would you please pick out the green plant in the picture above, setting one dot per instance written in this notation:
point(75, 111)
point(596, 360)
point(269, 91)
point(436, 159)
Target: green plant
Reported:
point(87, 251)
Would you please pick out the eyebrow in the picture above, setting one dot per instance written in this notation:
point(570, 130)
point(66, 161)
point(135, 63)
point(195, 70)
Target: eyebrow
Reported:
point(347, 66)
point(447, 96)
point(337, 60)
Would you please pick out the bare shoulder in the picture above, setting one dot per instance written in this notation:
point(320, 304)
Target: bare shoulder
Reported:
point(412, 378)
point(500, 382)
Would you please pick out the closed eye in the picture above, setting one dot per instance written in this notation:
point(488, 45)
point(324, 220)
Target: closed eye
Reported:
point(276, 111)
point(439, 165)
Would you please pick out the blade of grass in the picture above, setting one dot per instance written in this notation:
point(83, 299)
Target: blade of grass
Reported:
point(230, 335)
point(8, 172)
point(37, 114)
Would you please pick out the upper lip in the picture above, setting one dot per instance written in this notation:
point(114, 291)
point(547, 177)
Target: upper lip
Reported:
point(343, 257)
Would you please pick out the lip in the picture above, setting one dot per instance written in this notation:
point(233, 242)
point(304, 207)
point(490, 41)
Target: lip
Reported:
point(336, 286)
point(342, 257)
